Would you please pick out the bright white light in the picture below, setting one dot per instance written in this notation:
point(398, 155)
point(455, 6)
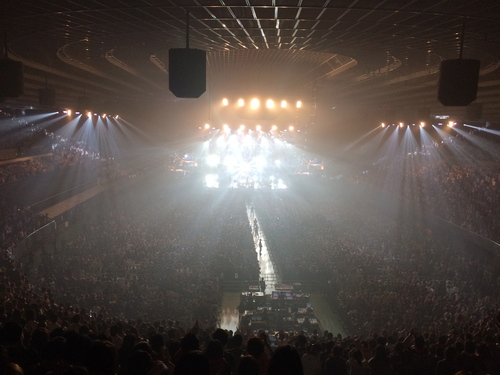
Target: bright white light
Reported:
point(400, 124)
point(299, 104)
point(274, 127)
point(225, 102)
point(281, 184)
point(241, 102)
point(283, 104)
point(69, 112)
point(258, 128)
point(242, 127)
point(291, 128)
point(277, 162)
point(451, 123)
point(89, 114)
point(117, 117)
point(212, 181)
point(225, 127)
point(255, 103)
point(103, 115)
point(382, 125)
point(422, 124)
point(269, 103)
point(207, 126)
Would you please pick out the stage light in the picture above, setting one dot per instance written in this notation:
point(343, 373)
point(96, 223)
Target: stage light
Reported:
point(225, 102)
point(89, 114)
point(103, 115)
point(422, 124)
point(382, 125)
point(451, 123)
point(212, 181)
point(255, 103)
point(400, 124)
point(242, 127)
point(269, 103)
point(117, 117)
point(299, 104)
point(207, 126)
point(291, 128)
point(241, 102)
point(225, 127)
point(274, 128)
point(283, 104)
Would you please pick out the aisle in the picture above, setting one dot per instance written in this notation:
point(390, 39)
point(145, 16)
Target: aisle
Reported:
point(267, 270)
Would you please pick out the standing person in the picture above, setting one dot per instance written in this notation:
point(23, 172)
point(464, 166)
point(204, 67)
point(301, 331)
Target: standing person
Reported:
point(260, 247)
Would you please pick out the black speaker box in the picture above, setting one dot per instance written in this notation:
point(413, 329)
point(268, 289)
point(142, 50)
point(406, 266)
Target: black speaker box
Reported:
point(187, 72)
point(47, 97)
point(458, 80)
point(11, 78)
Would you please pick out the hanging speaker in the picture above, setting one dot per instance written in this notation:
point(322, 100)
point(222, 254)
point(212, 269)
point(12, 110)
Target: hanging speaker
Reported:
point(11, 78)
point(187, 72)
point(458, 80)
point(47, 97)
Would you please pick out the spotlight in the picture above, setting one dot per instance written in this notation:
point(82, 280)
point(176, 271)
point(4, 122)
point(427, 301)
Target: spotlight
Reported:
point(451, 123)
point(89, 114)
point(422, 124)
point(103, 115)
point(225, 102)
point(291, 128)
point(258, 128)
point(241, 102)
point(283, 104)
point(255, 103)
point(299, 104)
point(117, 117)
point(269, 103)
point(274, 128)
point(400, 124)
point(382, 125)
point(242, 127)
point(69, 112)
point(207, 126)
point(225, 127)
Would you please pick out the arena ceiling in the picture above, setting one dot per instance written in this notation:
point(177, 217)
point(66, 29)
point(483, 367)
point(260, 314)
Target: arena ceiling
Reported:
point(379, 53)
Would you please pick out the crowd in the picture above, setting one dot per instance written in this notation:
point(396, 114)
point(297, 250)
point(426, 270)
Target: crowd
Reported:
point(456, 179)
point(168, 258)
point(120, 293)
